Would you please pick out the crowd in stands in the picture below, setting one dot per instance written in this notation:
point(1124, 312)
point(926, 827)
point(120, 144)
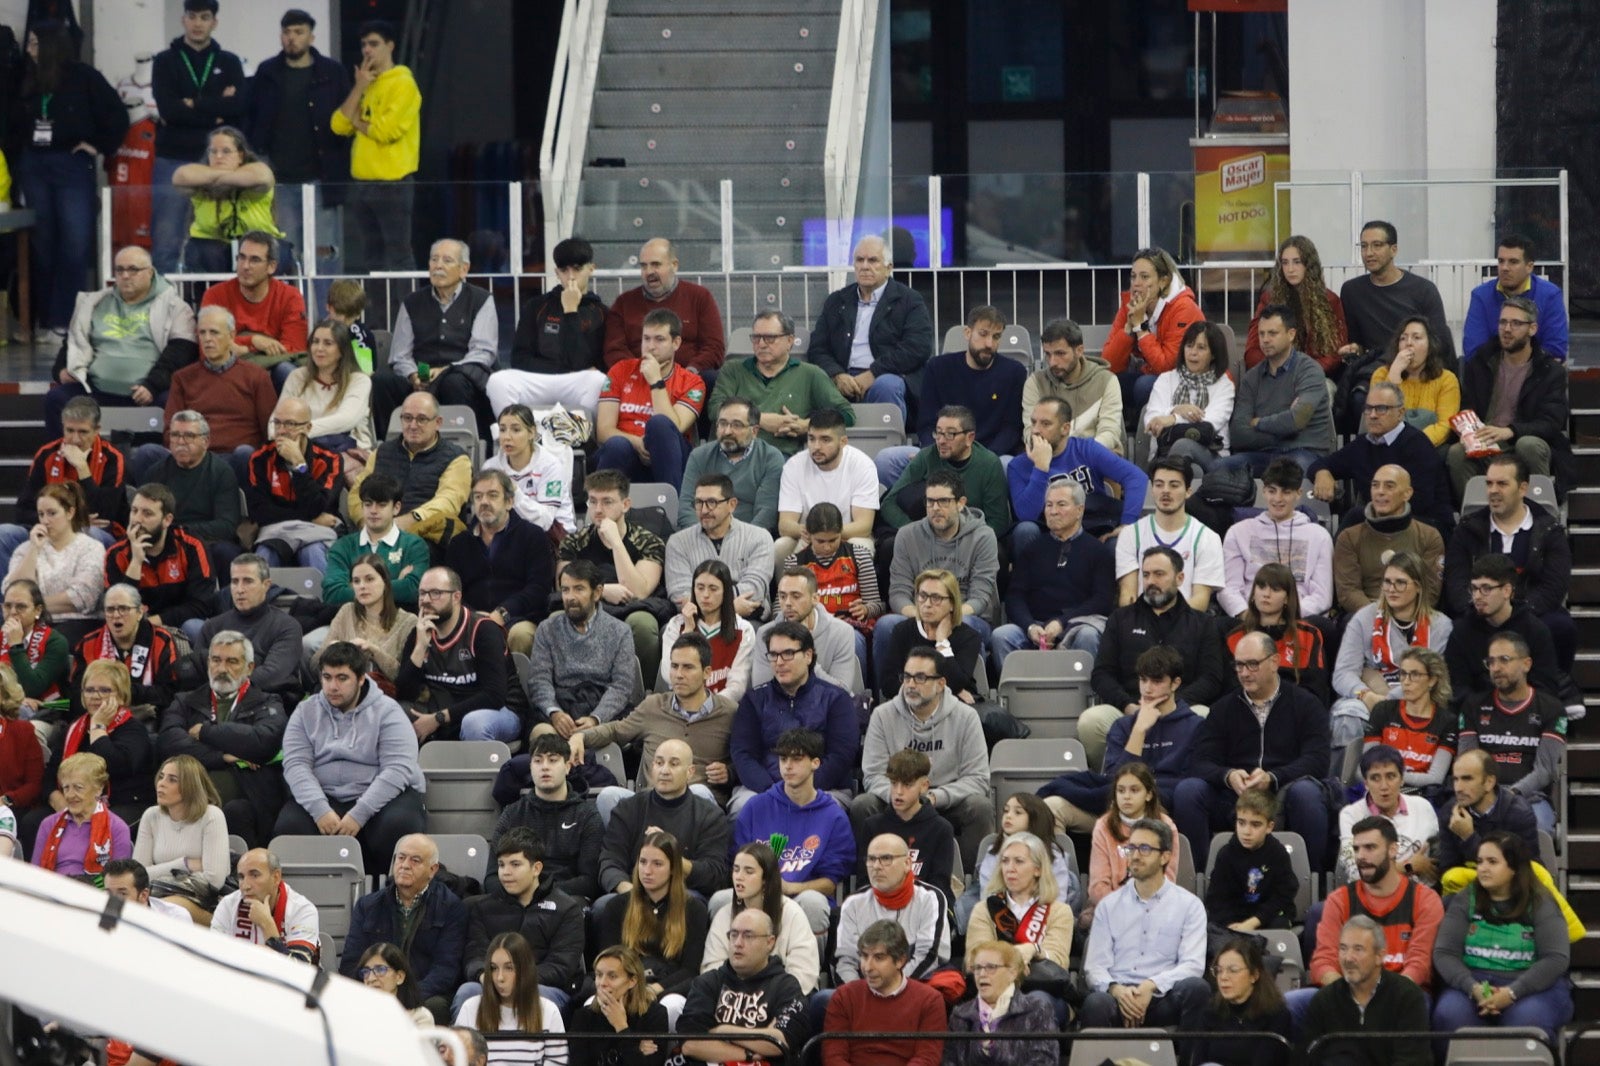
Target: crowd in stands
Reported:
point(1336, 658)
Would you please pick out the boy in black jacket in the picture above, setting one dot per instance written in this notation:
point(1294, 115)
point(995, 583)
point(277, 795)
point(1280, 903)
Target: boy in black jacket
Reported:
point(1252, 884)
point(930, 838)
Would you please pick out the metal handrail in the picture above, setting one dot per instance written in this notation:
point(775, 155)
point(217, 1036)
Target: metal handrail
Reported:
point(847, 120)
point(1473, 1033)
point(566, 131)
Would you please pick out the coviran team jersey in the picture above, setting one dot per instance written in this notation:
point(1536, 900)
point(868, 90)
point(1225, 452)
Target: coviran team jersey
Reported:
point(626, 387)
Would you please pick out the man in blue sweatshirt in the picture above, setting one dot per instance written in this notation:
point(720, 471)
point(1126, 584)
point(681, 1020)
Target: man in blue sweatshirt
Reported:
point(1053, 452)
point(1514, 276)
point(819, 849)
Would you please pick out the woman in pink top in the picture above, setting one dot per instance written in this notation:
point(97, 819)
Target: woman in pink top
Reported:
point(1133, 796)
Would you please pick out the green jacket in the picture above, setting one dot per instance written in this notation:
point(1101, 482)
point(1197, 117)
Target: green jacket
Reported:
point(410, 550)
point(801, 387)
point(985, 479)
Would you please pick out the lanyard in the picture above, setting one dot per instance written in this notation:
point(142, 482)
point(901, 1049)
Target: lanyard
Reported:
point(44, 105)
point(199, 79)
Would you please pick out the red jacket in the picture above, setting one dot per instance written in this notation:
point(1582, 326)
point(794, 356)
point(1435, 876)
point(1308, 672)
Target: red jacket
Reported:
point(21, 763)
point(1159, 347)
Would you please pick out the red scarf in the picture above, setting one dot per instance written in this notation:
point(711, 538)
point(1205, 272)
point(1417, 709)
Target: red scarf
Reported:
point(56, 466)
point(80, 729)
point(1383, 655)
point(138, 655)
point(99, 851)
point(238, 698)
point(34, 649)
point(245, 929)
point(900, 898)
point(1029, 929)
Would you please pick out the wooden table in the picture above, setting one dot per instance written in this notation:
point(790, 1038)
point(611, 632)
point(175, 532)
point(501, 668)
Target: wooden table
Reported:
point(20, 222)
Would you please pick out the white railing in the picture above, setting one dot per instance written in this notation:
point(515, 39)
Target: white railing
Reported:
point(566, 123)
point(847, 121)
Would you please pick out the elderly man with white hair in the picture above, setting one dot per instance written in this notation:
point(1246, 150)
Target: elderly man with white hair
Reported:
point(875, 334)
point(446, 339)
point(235, 396)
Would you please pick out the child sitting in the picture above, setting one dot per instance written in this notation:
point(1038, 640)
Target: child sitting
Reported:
point(930, 838)
point(847, 579)
point(1133, 796)
point(1252, 884)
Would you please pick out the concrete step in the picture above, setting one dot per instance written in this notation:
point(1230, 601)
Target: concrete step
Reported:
point(736, 72)
point(672, 30)
point(1586, 670)
point(1583, 756)
point(703, 253)
point(1583, 851)
point(659, 108)
point(1586, 952)
point(1583, 803)
point(669, 181)
point(647, 146)
point(1585, 587)
point(1583, 504)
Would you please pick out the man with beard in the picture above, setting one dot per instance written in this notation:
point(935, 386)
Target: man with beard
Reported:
point(1171, 525)
point(265, 911)
point(828, 469)
point(1051, 452)
point(782, 389)
point(168, 566)
point(749, 1009)
point(202, 484)
point(717, 534)
point(1523, 729)
point(1268, 734)
point(885, 999)
point(236, 731)
point(1084, 381)
point(1388, 525)
point(662, 289)
point(505, 562)
point(1159, 616)
point(149, 652)
point(738, 451)
point(557, 354)
point(988, 386)
point(1407, 911)
point(274, 635)
point(350, 761)
point(1520, 394)
point(459, 654)
point(955, 447)
point(583, 659)
point(293, 491)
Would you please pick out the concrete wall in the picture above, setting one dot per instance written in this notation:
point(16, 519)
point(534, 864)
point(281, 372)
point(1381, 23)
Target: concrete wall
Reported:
point(122, 29)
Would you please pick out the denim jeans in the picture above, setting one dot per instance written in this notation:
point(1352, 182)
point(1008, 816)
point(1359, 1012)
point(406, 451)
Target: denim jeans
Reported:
point(485, 724)
point(892, 462)
point(60, 189)
point(312, 555)
point(668, 448)
point(1009, 638)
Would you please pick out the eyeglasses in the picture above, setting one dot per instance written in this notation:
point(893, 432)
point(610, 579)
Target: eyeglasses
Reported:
point(186, 437)
point(1128, 851)
point(982, 968)
point(1490, 661)
point(736, 935)
point(920, 679)
point(786, 655)
point(1249, 666)
point(706, 505)
point(1397, 582)
point(373, 971)
point(932, 597)
point(97, 691)
point(118, 608)
point(1514, 323)
point(288, 423)
point(939, 501)
point(127, 271)
point(728, 423)
point(768, 338)
point(1483, 590)
point(883, 860)
point(417, 420)
point(1228, 971)
point(1414, 675)
point(950, 434)
point(433, 594)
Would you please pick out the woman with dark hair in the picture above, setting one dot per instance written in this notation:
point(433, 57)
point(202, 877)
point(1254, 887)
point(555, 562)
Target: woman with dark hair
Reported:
point(386, 968)
point(757, 883)
point(46, 657)
point(1024, 812)
point(510, 1002)
point(1133, 795)
point(67, 563)
point(1191, 404)
point(1296, 281)
point(540, 469)
point(660, 920)
point(1415, 362)
point(334, 389)
point(709, 611)
point(1247, 1001)
point(623, 1003)
point(64, 117)
point(231, 190)
point(372, 621)
point(1274, 609)
point(1503, 949)
point(1146, 337)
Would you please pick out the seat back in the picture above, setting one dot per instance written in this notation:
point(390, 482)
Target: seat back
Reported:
point(466, 854)
point(739, 342)
point(328, 871)
point(610, 757)
point(1300, 863)
point(460, 776)
point(1094, 338)
point(1026, 765)
point(878, 426)
point(656, 494)
point(132, 420)
point(1047, 689)
point(1285, 946)
point(1187, 878)
point(1095, 1046)
point(955, 340)
point(300, 580)
point(237, 845)
point(1500, 1046)
point(328, 953)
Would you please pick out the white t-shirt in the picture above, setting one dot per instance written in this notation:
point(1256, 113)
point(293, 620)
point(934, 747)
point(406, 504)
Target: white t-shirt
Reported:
point(544, 486)
point(1198, 543)
point(852, 483)
point(299, 926)
point(170, 910)
point(520, 1052)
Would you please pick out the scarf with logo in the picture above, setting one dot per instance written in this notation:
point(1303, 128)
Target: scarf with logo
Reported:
point(99, 851)
point(34, 647)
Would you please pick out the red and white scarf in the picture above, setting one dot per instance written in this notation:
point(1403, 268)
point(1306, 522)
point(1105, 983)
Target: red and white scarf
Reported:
point(138, 655)
point(80, 729)
point(99, 850)
point(56, 466)
point(1029, 929)
point(1383, 654)
point(244, 928)
point(238, 698)
point(34, 647)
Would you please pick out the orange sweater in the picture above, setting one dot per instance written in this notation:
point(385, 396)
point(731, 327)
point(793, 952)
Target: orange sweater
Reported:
point(1159, 347)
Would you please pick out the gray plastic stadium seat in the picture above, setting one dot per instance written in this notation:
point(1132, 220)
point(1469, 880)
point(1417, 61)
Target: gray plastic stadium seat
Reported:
point(460, 776)
point(878, 426)
point(328, 871)
point(300, 580)
point(656, 494)
point(610, 757)
point(955, 340)
point(463, 853)
point(1498, 1046)
point(1047, 689)
point(1095, 1046)
point(132, 420)
point(1026, 765)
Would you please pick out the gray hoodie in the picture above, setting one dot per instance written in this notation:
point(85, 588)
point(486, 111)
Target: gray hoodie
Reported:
point(367, 754)
point(951, 738)
point(836, 651)
point(972, 555)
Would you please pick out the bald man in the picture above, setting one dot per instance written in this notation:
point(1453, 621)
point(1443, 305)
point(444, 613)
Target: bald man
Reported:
point(293, 491)
point(124, 343)
point(699, 825)
point(1387, 526)
point(266, 911)
point(922, 913)
point(874, 335)
point(1388, 436)
point(427, 918)
point(702, 347)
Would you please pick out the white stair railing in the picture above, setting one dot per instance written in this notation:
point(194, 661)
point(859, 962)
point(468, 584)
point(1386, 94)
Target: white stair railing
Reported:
point(847, 121)
point(566, 122)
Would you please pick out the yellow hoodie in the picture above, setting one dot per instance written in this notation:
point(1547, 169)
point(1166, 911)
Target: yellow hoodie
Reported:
point(5, 180)
point(392, 109)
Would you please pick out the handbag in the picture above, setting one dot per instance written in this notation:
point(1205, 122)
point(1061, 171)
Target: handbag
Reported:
point(1202, 433)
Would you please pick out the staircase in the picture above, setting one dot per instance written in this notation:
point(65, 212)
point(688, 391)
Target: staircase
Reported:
point(656, 152)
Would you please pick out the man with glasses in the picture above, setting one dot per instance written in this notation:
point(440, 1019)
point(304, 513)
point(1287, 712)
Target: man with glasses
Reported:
point(1519, 392)
point(293, 491)
point(269, 315)
point(893, 894)
point(451, 329)
point(1514, 525)
point(1387, 440)
point(952, 537)
point(746, 549)
point(754, 466)
point(558, 352)
point(235, 396)
point(1267, 734)
point(1496, 610)
point(834, 640)
point(1523, 729)
point(457, 656)
point(1514, 276)
point(927, 716)
point(435, 476)
point(1388, 525)
point(124, 341)
point(1375, 303)
point(150, 652)
point(205, 488)
point(236, 731)
point(795, 697)
point(749, 1009)
point(955, 447)
point(661, 289)
point(782, 389)
point(1146, 958)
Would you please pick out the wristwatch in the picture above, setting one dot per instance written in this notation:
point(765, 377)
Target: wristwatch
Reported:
point(660, 384)
point(442, 717)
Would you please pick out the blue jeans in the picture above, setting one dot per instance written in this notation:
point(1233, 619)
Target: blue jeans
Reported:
point(1201, 808)
point(1257, 462)
point(892, 462)
point(169, 215)
point(1009, 638)
point(486, 724)
point(312, 555)
point(1548, 1010)
point(888, 388)
point(60, 189)
point(1543, 813)
point(668, 448)
point(1136, 388)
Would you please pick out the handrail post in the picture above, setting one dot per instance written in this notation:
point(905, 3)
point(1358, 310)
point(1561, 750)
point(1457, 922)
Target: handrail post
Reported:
point(1144, 209)
point(725, 192)
point(1356, 213)
point(935, 222)
point(308, 236)
point(106, 251)
point(1566, 245)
